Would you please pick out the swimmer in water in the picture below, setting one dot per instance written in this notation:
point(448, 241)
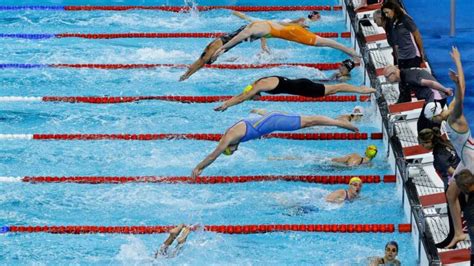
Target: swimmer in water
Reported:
point(290, 32)
point(212, 47)
point(313, 16)
point(356, 115)
point(174, 233)
point(355, 159)
point(282, 85)
point(254, 128)
point(390, 257)
point(344, 71)
point(342, 195)
point(217, 43)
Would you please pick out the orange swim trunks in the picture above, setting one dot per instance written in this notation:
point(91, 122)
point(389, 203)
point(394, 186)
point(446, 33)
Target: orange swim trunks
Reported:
point(294, 33)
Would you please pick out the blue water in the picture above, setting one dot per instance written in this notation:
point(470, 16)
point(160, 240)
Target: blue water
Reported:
point(164, 204)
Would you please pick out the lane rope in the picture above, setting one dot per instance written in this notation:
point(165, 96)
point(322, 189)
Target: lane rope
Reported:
point(223, 229)
point(173, 98)
point(189, 136)
point(322, 179)
point(40, 36)
point(320, 66)
point(173, 8)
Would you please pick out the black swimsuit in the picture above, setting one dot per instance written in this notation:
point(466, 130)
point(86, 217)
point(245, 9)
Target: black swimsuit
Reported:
point(302, 87)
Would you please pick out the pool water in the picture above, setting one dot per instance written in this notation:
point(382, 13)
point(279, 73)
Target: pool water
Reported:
point(167, 204)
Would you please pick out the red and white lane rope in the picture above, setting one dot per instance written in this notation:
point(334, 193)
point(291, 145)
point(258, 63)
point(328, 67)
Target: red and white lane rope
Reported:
point(174, 98)
point(320, 66)
point(323, 179)
point(193, 136)
point(223, 229)
point(174, 35)
point(41, 36)
point(172, 8)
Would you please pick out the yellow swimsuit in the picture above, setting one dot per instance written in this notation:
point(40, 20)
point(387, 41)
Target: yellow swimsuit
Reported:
point(294, 33)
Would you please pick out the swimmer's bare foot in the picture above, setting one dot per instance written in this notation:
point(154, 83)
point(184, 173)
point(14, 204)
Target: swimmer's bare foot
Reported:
point(365, 89)
point(176, 230)
point(456, 239)
point(184, 235)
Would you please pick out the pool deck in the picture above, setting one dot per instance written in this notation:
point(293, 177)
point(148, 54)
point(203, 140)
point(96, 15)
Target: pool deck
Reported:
point(429, 201)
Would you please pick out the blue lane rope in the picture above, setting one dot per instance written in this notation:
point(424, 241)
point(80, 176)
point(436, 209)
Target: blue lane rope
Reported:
point(22, 66)
point(9, 8)
point(27, 36)
point(4, 229)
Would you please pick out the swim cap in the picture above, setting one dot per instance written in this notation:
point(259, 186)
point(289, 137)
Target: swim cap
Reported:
point(312, 14)
point(227, 151)
point(247, 89)
point(358, 110)
point(349, 64)
point(432, 109)
point(371, 151)
point(355, 179)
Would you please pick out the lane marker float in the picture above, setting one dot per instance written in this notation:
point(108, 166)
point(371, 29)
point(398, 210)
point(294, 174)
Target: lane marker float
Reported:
point(40, 36)
point(320, 66)
point(173, 98)
point(189, 136)
point(172, 8)
point(223, 229)
point(367, 179)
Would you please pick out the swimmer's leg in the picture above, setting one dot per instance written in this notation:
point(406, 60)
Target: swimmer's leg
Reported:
point(172, 236)
point(254, 29)
point(455, 209)
point(205, 57)
point(184, 235)
point(333, 44)
point(344, 87)
point(318, 120)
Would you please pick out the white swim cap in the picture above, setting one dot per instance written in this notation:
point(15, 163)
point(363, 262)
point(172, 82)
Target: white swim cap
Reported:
point(432, 109)
point(358, 110)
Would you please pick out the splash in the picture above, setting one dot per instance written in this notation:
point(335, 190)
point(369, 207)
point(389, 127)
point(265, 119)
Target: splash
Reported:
point(134, 252)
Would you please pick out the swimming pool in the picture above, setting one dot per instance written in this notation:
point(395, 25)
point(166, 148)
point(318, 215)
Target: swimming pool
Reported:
point(166, 204)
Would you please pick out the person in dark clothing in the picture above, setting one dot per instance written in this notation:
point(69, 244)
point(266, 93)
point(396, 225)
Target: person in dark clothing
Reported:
point(382, 21)
point(465, 182)
point(445, 157)
point(279, 85)
point(425, 86)
point(406, 36)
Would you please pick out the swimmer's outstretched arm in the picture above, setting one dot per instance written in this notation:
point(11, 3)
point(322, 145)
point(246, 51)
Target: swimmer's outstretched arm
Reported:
point(456, 118)
point(241, 97)
point(264, 46)
point(235, 100)
point(437, 86)
point(242, 16)
point(223, 143)
point(233, 134)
